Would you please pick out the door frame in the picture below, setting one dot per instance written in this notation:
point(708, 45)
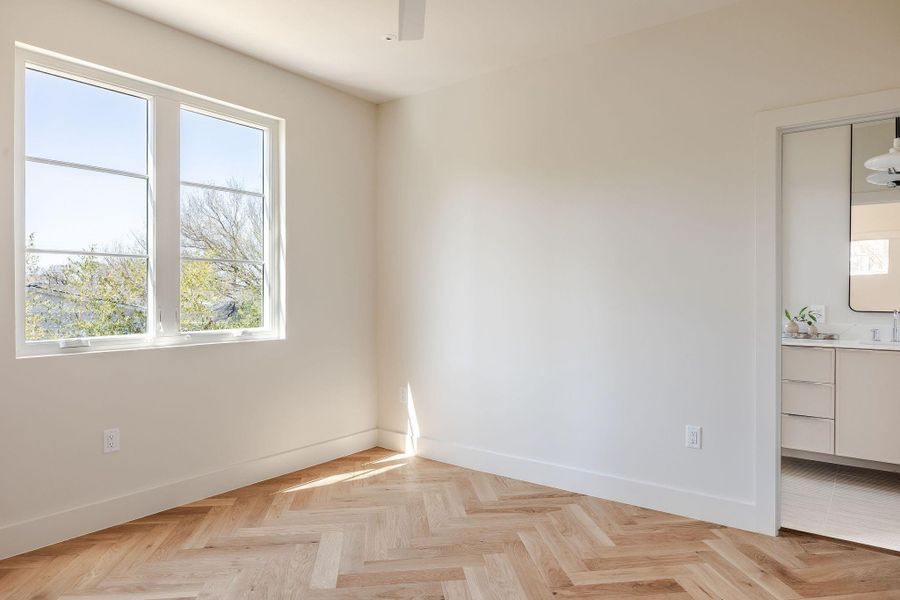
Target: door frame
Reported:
point(770, 126)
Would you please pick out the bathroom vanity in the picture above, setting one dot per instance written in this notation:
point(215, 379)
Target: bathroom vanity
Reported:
point(841, 398)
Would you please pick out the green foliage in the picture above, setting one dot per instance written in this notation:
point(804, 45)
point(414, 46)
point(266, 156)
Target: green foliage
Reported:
point(215, 296)
point(804, 316)
point(86, 295)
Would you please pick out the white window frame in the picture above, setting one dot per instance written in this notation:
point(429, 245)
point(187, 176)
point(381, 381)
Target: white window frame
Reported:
point(164, 211)
point(886, 259)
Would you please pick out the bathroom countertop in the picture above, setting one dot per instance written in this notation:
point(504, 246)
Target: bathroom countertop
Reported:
point(852, 344)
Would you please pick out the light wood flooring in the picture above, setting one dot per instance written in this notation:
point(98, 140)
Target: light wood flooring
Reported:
point(849, 503)
point(382, 525)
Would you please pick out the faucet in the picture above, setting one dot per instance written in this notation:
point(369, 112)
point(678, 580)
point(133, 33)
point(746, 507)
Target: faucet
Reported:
point(895, 333)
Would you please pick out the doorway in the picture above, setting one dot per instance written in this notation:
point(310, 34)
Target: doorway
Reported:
point(838, 403)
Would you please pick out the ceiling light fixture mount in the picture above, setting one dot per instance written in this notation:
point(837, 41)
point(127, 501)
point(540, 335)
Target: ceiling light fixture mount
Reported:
point(411, 24)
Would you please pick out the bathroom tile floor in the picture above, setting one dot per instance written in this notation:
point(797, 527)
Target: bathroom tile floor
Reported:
point(848, 503)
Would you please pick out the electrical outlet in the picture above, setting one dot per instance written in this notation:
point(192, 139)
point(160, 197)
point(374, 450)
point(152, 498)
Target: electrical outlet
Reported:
point(693, 436)
point(404, 395)
point(111, 440)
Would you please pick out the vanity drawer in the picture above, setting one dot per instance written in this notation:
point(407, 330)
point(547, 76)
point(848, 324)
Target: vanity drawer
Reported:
point(807, 399)
point(807, 364)
point(807, 433)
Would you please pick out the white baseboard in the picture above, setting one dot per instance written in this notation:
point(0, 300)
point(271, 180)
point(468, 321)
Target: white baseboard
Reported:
point(24, 536)
point(393, 440)
point(42, 531)
point(696, 505)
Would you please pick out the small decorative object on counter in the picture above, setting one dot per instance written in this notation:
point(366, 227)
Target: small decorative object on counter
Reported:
point(791, 328)
point(804, 316)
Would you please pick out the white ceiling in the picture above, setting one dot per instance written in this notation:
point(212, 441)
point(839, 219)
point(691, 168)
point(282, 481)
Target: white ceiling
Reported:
point(339, 42)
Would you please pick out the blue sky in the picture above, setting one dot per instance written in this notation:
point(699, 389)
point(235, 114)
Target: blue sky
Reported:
point(74, 209)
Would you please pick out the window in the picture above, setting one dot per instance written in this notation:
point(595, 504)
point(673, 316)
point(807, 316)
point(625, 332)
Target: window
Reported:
point(869, 257)
point(222, 224)
point(147, 216)
point(85, 210)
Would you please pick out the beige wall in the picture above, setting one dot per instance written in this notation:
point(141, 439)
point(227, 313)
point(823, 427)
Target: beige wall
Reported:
point(566, 248)
point(194, 411)
point(816, 224)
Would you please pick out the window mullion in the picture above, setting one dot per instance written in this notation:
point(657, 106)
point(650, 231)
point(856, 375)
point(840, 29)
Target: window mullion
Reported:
point(166, 238)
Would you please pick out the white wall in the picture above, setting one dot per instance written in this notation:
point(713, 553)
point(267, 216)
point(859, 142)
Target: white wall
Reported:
point(566, 250)
point(194, 420)
point(560, 304)
point(816, 232)
point(816, 223)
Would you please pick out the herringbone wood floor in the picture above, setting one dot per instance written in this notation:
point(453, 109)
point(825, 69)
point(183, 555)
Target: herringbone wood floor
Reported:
point(380, 525)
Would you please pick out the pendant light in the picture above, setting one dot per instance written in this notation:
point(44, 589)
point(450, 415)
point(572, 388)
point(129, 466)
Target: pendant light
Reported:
point(887, 165)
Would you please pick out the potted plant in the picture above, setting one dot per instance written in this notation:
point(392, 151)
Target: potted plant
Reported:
point(804, 316)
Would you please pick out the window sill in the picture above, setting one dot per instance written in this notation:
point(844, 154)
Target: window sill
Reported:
point(203, 338)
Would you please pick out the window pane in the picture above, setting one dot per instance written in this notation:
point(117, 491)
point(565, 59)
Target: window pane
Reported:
point(74, 209)
point(84, 296)
point(222, 153)
point(217, 295)
point(216, 224)
point(77, 122)
point(870, 257)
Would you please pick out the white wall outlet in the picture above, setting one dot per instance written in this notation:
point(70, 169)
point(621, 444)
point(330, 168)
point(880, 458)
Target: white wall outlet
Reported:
point(404, 395)
point(111, 440)
point(693, 436)
point(819, 311)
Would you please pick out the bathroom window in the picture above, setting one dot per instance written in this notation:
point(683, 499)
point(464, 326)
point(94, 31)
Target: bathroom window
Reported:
point(148, 216)
point(869, 257)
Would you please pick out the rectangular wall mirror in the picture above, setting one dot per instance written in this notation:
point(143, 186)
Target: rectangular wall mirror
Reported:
point(874, 223)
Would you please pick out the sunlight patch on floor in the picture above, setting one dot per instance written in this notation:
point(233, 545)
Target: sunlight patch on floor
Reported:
point(392, 458)
point(341, 478)
point(412, 423)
